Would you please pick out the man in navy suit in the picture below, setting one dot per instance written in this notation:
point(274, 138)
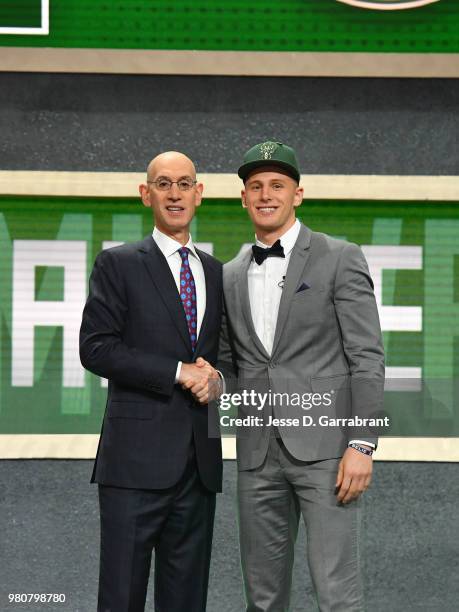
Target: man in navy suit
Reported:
point(153, 311)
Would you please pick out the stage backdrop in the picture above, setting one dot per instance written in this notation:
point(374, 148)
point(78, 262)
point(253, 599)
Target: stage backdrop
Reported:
point(271, 25)
point(48, 245)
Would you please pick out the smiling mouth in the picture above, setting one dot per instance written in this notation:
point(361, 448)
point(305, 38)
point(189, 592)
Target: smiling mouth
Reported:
point(266, 209)
point(174, 208)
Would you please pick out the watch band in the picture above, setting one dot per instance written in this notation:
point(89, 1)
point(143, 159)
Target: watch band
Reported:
point(361, 449)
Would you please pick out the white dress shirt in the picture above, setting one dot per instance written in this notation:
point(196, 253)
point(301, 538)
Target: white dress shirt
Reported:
point(265, 287)
point(169, 248)
point(265, 292)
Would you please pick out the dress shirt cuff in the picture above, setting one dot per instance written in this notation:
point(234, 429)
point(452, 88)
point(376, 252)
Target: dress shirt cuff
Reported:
point(370, 444)
point(222, 380)
point(178, 372)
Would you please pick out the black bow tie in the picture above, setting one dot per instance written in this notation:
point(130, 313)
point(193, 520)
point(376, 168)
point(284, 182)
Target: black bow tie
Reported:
point(260, 254)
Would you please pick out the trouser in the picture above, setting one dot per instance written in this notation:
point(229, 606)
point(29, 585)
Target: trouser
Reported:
point(177, 523)
point(271, 499)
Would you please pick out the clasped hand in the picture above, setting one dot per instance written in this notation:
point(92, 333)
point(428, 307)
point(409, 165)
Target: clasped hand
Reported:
point(201, 379)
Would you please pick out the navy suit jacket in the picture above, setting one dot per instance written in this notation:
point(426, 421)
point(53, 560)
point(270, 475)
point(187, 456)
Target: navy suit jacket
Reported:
point(134, 332)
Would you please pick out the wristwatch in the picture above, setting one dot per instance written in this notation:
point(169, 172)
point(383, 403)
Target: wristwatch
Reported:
point(361, 449)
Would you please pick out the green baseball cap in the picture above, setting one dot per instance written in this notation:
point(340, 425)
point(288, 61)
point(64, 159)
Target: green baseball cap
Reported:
point(270, 153)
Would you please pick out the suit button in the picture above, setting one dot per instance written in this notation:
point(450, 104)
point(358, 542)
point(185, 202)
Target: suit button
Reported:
point(272, 364)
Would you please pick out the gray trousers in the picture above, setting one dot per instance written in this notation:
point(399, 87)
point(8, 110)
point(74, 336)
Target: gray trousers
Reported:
point(270, 501)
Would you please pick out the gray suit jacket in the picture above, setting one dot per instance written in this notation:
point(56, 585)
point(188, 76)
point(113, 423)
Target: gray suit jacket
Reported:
point(327, 353)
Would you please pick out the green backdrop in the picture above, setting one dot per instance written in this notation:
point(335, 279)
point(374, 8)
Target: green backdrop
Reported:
point(253, 25)
point(81, 226)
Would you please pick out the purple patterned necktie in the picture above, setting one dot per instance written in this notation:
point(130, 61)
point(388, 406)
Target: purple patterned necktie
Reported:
point(188, 296)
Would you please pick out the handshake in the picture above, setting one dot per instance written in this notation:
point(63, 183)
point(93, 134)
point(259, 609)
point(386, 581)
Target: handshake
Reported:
point(202, 380)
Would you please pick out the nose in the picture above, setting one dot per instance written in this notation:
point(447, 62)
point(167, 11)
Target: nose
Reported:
point(265, 193)
point(174, 192)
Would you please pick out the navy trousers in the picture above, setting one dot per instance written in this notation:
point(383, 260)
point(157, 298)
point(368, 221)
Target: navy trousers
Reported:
point(177, 524)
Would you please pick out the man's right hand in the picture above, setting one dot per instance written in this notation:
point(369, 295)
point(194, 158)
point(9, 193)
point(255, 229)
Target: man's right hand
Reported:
point(191, 374)
point(196, 376)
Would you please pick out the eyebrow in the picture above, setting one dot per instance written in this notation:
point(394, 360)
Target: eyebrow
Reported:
point(258, 181)
point(164, 176)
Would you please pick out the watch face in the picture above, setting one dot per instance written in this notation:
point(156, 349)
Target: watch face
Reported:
point(388, 5)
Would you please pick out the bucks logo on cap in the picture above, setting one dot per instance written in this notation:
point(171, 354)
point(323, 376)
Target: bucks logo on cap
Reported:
point(388, 5)
point(267, 149)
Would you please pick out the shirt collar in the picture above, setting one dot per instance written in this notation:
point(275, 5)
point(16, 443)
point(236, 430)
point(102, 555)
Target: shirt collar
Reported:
point(168, 246)
point(287, 240)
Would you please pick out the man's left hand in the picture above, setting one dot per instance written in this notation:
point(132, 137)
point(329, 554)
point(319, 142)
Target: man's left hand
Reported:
point(354, 475)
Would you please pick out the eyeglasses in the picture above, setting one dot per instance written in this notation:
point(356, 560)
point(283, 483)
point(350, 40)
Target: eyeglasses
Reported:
point(164, 184)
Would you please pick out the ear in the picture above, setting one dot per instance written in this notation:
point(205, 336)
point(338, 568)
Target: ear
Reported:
point(145, 195)
point(298, 197)
point(244, 205)
point(198, 197)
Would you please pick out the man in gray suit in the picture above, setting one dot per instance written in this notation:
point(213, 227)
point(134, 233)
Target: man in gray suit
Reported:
point(302, 326)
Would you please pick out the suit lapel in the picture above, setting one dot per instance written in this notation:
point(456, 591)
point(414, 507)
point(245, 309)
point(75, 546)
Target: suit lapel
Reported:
point(161, 276)
point(210, 299)
point(242, 285)
point(298, 259)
